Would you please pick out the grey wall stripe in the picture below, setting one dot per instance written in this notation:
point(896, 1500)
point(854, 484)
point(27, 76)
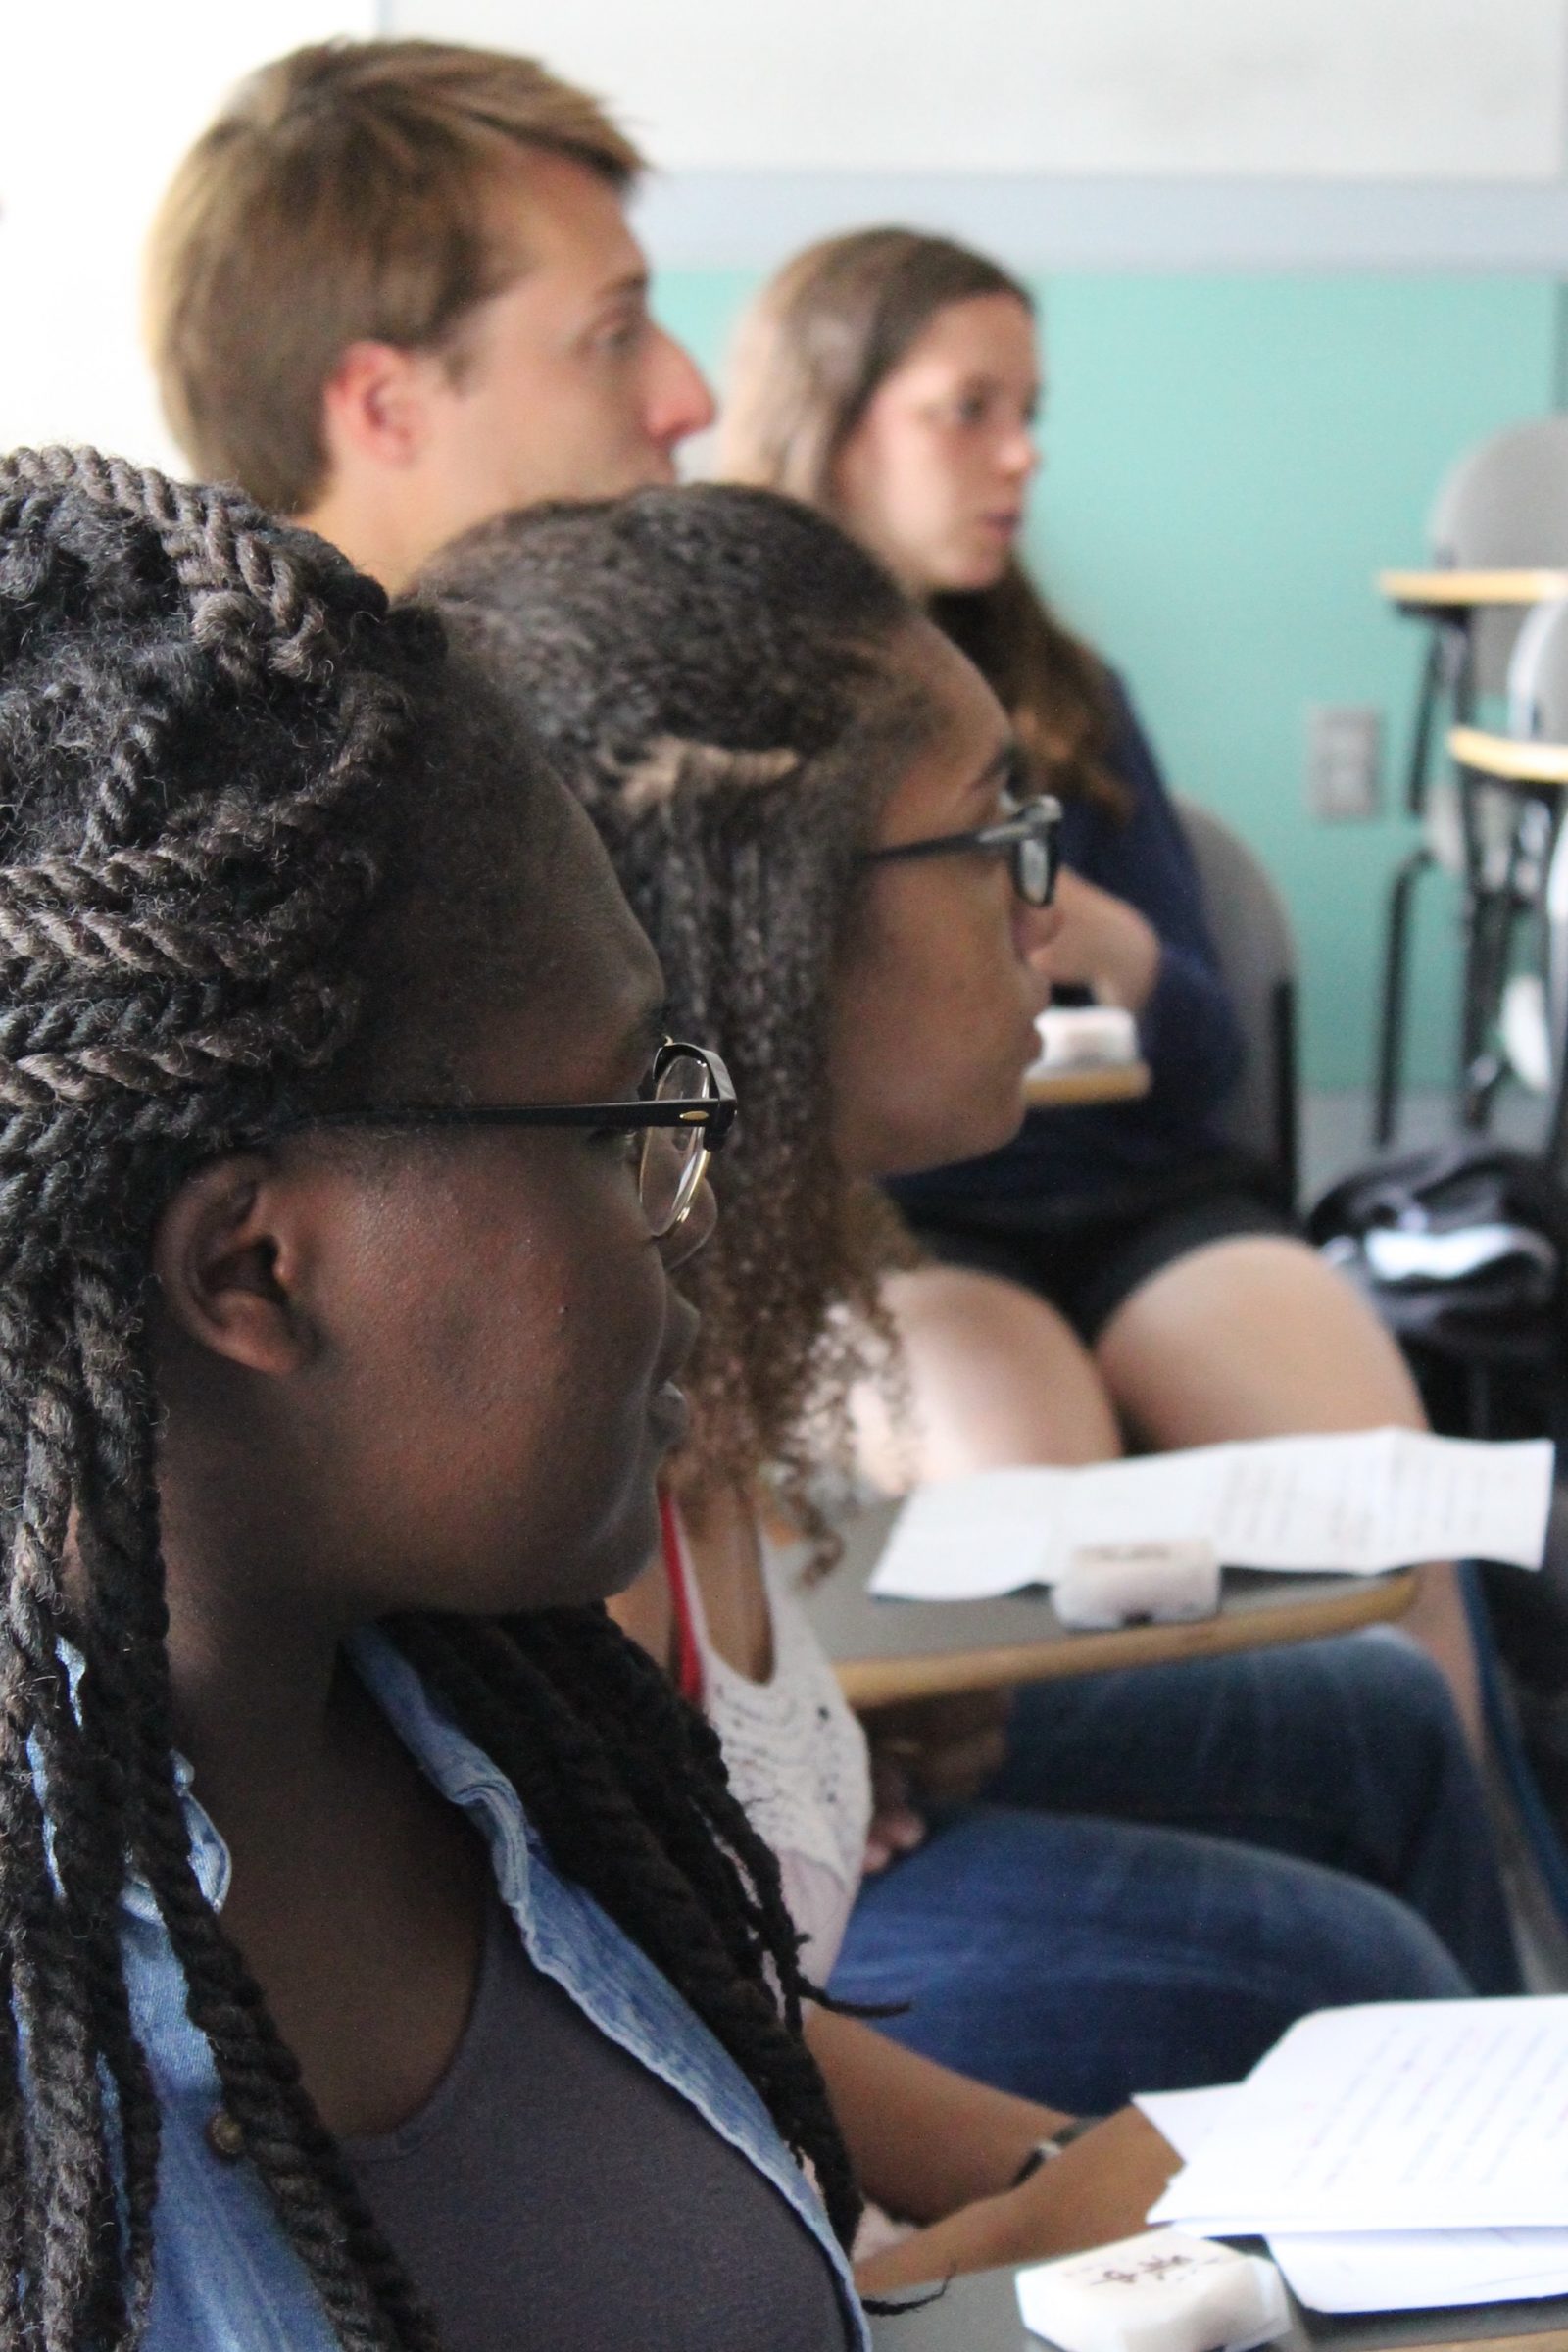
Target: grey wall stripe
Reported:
point(714, 220)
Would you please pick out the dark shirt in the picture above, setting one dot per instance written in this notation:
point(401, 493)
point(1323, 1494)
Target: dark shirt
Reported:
point(1085, 1158)
point(554, 2192)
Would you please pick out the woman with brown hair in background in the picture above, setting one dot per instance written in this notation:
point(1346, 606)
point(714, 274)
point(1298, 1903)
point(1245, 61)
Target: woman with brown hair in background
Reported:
point(1114, 1267)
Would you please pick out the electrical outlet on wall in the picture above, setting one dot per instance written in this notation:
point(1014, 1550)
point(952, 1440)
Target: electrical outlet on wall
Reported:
point(1344, 761)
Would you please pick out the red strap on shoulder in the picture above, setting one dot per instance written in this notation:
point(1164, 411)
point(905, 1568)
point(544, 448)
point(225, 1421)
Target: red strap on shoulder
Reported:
point(688, 1658)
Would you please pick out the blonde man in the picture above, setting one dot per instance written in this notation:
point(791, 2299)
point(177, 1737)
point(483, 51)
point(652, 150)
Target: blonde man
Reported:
point(392, 291)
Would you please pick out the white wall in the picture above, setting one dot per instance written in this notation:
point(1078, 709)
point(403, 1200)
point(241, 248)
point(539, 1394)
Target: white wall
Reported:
point(102, 98)
point(1441, 89)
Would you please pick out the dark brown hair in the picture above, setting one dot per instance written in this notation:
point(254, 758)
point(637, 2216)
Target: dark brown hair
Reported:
point(709, 670)
point(812, 349)
point(225, 767)
point(346, 192)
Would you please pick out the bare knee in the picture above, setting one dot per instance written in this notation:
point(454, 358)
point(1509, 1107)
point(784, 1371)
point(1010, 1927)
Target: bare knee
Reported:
point(989, 1375)
point(1255, 1337)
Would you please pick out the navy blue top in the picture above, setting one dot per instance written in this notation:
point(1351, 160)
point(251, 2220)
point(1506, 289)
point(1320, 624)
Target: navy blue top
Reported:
point(1085, 1158)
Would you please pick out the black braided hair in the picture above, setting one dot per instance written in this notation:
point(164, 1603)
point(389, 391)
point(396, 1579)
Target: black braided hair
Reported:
point(217, 746)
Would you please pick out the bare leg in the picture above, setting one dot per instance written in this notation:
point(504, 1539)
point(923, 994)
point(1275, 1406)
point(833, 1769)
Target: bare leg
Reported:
point(990, 1375)
point(1257, 1338)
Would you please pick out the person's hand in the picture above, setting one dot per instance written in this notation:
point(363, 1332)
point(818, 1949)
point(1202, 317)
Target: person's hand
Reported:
point(947, 1749)
point(897, 1827)
point(1102, 944)
point(1099, 2189)
point(932, 1751)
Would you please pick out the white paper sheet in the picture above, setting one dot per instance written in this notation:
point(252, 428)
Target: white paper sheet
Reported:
point(1361, 1504)
point(1185, 2118)
point(1414, 2270)
point(1400, 2115)
point(1376, 2270)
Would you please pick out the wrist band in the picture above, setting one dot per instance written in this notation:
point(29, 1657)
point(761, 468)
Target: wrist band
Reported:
point(1046, 2151)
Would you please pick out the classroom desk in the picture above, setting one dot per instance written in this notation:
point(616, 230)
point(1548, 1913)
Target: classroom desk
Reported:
point(980, 2314)
point(1441, 595)
point(1508, 760)
point(1451, 602)
point(885, 1651)
point(1089, 1082)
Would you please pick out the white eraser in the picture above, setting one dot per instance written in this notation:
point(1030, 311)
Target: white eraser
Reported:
point(1160, 2292)
point(1071, 1035)
point(1105, 1584)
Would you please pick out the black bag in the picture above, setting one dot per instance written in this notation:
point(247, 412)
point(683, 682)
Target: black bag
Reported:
point(1462, 1252)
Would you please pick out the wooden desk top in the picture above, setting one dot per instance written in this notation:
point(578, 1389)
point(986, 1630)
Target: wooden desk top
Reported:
point(1507, 758)
point(885, 1651)
point(1089, 1082)
point(1441, 591)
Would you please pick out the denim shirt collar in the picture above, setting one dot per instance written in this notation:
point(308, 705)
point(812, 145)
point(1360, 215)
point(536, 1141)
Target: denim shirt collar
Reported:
point(227, 2277)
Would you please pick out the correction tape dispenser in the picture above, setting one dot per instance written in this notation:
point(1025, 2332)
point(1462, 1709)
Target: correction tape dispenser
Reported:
point(1106, 1585)
point(1160, 2292)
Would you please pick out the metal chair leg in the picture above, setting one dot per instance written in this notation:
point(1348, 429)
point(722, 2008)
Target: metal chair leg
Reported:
point(1488, 927)
point(1446, 671)
point(1434, 678)
point(1391, 1024)
point(1508, 887)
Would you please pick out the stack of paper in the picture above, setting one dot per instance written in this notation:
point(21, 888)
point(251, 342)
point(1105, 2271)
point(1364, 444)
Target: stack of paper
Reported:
point(1379, 1498)
point(1396, 2157)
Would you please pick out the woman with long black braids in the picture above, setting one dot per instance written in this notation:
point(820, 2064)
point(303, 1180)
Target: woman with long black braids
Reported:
point(463, 2009)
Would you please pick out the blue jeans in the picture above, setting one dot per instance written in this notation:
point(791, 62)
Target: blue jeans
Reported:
point(1175, 1862)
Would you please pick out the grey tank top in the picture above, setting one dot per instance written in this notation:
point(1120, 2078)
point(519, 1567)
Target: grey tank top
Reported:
point(555, 2195)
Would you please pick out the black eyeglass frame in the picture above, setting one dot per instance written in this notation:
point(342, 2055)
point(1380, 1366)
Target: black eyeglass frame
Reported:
point(713, 1113)
point(1037, 820)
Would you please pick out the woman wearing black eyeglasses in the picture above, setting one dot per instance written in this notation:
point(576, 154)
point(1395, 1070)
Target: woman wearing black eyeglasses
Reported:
point(806, 792)
point(386, 1963)
point(1115, 1266)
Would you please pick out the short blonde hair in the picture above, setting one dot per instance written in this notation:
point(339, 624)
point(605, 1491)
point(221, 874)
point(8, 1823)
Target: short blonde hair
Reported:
point(346, 192)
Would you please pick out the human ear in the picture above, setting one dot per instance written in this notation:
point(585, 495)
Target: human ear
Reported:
point(227, 1256)
point(377, 404)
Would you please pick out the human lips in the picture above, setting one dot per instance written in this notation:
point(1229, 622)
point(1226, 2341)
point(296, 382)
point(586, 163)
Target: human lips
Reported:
point(669, 1416)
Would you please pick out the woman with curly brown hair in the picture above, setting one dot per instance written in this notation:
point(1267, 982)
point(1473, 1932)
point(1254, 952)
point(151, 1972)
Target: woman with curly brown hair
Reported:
point(1111, 1266)
point(802, 787)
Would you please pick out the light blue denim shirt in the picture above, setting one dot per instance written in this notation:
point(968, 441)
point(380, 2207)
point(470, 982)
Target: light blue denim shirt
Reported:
point(227, 2278)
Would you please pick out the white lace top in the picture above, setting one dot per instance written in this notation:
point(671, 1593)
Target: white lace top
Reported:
point(797, 1760)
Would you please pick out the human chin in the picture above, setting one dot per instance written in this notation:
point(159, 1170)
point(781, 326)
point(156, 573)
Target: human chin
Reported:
point(984, 1106)
point(626, 1534)
point(979, 1113)
point(575, 1572)
point(625, 1545)
point(977, 563)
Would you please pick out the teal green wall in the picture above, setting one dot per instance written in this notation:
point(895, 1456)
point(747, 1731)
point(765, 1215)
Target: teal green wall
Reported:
point(1228, 460)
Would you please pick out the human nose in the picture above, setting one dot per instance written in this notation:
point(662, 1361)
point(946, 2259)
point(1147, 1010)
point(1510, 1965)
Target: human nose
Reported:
point(1034, 930)
point(1020, 454)
point(679, 402)
point(695, 1229)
